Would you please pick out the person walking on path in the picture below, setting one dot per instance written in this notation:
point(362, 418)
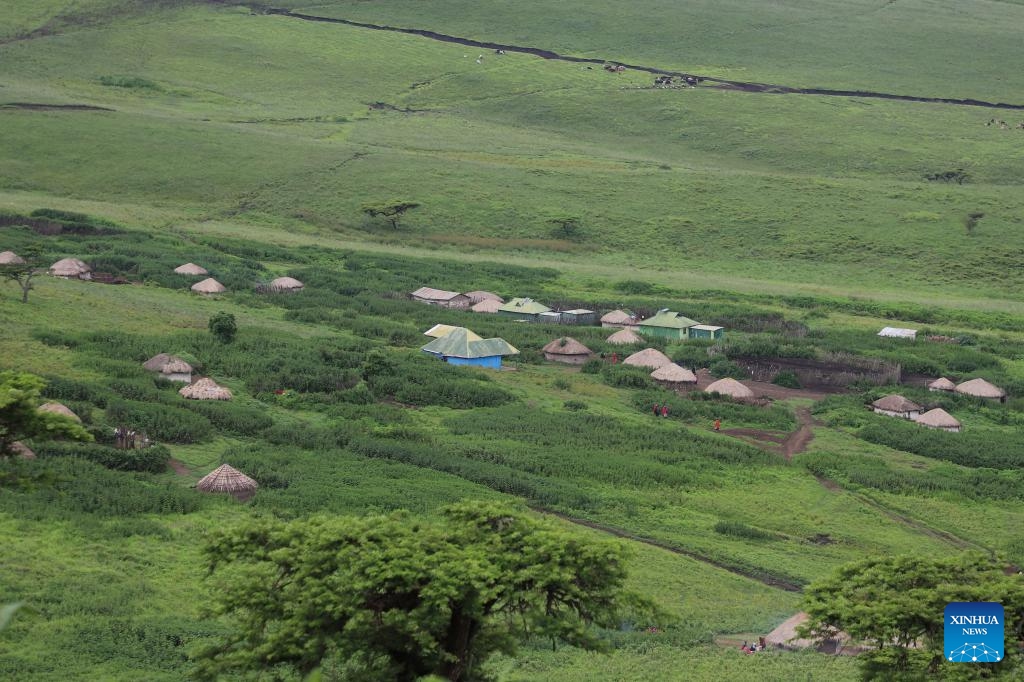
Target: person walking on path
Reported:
point(718, 425)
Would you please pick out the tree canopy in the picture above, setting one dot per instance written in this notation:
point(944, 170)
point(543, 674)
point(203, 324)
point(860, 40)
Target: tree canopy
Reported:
point(391, 210)
point(896, 604)
point(401, 597)
point(20, 417)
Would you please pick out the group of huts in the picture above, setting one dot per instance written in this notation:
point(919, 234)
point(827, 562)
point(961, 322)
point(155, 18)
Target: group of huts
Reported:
point(73, 268)
point(895, 405)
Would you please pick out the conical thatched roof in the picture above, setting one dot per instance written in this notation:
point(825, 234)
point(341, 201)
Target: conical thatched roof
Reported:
point(166, 364)
point(11, 258)
point(567, 346)
point(980, 388)
point(938, 418)
point(209, 286)
point(191, 269)
point(730, 387)
point(69, 267)
point(625, 337)
point(57, 408)
point(487, 306)
point(205, 389)
point(286, 284)
point(460, 343)
point(226, 479)
point(942, 384)
point(896, 403)
point(19, 449)
point(674, 374)
point(617, 317)
point(479, 296)
point(648, 357)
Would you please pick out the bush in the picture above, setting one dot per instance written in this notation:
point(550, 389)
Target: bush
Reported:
point(722, 368)
point(742, 530)
point(152, 459)
point(786, 380)
point(574, 405)
point(160, 422)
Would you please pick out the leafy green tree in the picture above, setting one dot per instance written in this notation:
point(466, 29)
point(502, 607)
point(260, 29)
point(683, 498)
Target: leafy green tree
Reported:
point(407, 597)
point(23, 273)
point(20, 417)
point(896, 604)
point(566, 226)
point(223, 326)
point(392, 210)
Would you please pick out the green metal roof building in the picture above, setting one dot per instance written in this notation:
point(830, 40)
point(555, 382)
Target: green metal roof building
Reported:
point(463, 347)
point(666, 325)
point(523, 309)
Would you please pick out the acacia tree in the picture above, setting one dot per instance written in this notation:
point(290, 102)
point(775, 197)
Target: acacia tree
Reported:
point(405, 597)
point(392, 210)
point(20, 417)
point(897, 603)
point(23, 273)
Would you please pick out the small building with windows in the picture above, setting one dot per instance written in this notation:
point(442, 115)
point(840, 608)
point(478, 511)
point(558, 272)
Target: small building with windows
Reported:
point(525, 309)
point(666, 325)
point(441, 298)
point(706, 332)
point(579, 316)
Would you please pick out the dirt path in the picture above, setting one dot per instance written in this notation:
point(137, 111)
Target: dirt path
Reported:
point(759, 576)
point(786, 445)
point(35, 106)
point(179, 467)
point(741, 86)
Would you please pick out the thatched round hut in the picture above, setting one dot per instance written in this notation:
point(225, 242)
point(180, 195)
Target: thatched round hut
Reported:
point(942, 384)
point(191, 269)
point(731, 388)
point(11, 258)
point(625, 337)
point(938, 419)
point(205, 389)
point(617, 318)
point(58, 408)
point(648, 357)
point(486, 306)
point(567, 350)
point(19, 449)
point(71, 268)
point(227, 479)
point(171, 367)
point(480, 296)
point(673, 375)
point(209, 286)
point(285, 285)
point(979, 388)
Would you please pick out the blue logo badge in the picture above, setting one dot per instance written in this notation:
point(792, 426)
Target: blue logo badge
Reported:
point(974, 632)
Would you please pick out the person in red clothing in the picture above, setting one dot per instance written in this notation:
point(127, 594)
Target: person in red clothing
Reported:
point(718, 425)
point(664, 410)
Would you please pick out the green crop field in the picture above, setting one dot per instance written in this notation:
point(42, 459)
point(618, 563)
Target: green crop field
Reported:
point(235, 136)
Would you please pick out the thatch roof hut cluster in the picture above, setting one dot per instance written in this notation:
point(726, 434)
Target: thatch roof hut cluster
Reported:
point(227, 479)
point(205, 389)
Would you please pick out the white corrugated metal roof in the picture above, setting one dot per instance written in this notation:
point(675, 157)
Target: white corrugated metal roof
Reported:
point(898, 332)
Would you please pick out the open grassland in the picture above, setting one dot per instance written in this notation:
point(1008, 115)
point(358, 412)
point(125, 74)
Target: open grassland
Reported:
point(266, 120)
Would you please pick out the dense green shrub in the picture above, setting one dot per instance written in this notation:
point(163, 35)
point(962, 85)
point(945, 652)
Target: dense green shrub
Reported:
point(742, 530)
point(981, 447)
point(698, 406)
point(574, 405)
point(231, 417)
point(160, 422)
point(722, 368)
point(152, 459)
point(786, 380)
point(426, 381)
point(627, 376)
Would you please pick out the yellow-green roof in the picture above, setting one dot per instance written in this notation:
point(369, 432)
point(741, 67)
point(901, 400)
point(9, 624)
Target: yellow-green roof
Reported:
point(667, 318)
point(459, 344)
point(524, 305)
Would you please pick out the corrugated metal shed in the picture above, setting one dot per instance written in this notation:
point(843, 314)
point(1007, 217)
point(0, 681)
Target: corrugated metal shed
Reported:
point(459, 344)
